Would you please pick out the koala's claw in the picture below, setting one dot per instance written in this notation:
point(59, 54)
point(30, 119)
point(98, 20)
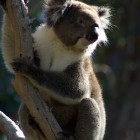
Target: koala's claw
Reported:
point(19, 65)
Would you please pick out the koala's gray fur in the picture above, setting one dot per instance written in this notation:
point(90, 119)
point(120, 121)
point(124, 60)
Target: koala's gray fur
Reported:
point(64, 76)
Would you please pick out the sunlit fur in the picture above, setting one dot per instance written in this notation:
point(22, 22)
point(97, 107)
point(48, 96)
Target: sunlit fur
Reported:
point(51, 50)
point(60, 52)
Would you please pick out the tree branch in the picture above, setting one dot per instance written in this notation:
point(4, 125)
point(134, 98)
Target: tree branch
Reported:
point(38, 108)
point(8, 127)
point(17, 12)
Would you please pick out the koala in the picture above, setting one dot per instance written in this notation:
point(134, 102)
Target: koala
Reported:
point(63, 72)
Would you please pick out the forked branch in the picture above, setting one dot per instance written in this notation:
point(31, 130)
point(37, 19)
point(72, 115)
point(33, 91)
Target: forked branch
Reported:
point(18, 13)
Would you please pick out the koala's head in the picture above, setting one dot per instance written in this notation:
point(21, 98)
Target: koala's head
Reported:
point(77, 24)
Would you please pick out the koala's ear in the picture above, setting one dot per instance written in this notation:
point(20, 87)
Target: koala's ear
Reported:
point(104, 14)
point(54, 9)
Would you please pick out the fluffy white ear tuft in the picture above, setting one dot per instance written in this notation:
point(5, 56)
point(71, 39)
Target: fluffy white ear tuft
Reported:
point(54, 9)
point(104, 14)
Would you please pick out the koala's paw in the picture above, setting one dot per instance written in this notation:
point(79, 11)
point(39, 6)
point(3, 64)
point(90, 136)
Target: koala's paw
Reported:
point(20, 65)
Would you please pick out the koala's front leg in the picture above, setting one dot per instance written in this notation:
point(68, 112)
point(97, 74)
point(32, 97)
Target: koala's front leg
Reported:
point(59, 85)
point(89, 121)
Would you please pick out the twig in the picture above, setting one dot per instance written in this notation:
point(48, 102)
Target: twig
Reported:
point(9, 127)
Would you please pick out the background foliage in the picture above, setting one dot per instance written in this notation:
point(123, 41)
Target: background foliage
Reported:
point(117, 66)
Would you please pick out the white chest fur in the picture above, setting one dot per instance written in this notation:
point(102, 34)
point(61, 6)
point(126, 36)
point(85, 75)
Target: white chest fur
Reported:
point(56, 59)
point(52, 53)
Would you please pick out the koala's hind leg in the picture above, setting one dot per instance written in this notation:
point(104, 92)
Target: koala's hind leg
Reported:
point(88, 122)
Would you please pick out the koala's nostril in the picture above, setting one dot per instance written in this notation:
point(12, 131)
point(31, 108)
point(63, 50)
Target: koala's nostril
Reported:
point(95, 25)
point(93, 34)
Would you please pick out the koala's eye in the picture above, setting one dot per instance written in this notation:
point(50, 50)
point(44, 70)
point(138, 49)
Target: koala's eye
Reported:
point(80, 22)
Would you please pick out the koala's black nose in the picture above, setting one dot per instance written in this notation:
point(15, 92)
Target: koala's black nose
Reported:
point(94, 33)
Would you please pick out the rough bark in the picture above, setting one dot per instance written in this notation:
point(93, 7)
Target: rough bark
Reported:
point(17, 12)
